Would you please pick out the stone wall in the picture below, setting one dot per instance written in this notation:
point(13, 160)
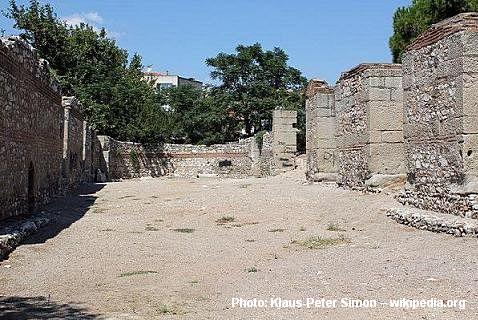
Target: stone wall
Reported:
point(31, 130)
point(130, 160)
point(441, 117)
point(284, 139)
point(320, 133)
point(369, 124)
point(74, 143)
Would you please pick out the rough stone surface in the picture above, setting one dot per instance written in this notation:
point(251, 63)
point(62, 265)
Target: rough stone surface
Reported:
point(320, 133)
point(132, 160)
point(368, 106)
point(441, 128)
point(435, 222)
point(31, 130)
point(284, 139)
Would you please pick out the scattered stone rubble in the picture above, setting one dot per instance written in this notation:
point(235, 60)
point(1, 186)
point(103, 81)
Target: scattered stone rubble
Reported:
point(13, 233)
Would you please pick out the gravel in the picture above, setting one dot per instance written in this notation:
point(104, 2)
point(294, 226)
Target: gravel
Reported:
point(115, 255)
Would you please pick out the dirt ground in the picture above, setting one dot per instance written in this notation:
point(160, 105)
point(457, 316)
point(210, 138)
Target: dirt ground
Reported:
point(184, 249)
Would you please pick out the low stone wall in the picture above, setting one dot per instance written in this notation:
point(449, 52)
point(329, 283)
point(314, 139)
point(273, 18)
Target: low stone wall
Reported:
point(435, 222)
point(441, 117)
point(31, 130)
point(130, 160)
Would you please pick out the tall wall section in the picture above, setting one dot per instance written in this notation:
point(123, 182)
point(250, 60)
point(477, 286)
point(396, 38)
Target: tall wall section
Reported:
point(31, 130)
point(284, 139)
point(369, 124)
point(75, 143)
point(441, 117)
point(320, 132)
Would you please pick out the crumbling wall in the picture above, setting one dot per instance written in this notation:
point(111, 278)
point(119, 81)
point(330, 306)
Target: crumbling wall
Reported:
point(369, 115)
point(31, 129)
point(284, 139)
point(129, 160)
point(441, 117)
point(320, 132)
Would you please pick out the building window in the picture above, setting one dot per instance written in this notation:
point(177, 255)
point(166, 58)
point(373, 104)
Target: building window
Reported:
point(163, 86)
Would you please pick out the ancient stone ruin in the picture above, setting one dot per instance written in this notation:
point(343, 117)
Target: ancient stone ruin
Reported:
point(441, 117)
point(47, 148)
point(378, 126)
point(320, 134)
point(275, 153)
point(354, 130)
point(31, 129)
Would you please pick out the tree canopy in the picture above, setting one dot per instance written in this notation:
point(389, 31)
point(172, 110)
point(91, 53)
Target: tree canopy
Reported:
point(410, 22)
point(256, 82)
point(119, 103)
point(91, 66)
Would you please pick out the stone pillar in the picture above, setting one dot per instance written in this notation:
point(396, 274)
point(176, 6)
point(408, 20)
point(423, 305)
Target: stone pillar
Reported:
point(441, 117)
point(369, 111)
point(284, 134)
point(320, 132)
point(73, 143)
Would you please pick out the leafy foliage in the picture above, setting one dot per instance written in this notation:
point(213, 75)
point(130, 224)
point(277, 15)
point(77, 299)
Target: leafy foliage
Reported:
point(91, 66)
point(410, 22)
point(256, 82)
point(120, 104)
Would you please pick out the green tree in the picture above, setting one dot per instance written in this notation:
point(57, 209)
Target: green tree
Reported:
point(92, 67)
point(256, 82)
point(410, 22)
point(198, 117)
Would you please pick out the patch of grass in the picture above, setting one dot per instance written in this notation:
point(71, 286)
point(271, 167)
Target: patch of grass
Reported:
point(151, 228)
point(277, 230)
point(184, 230)
point(318, 242)
point(252, 270)
point(225, 219)
point(195, 281)
point(135, 273)
point(335, 227)
point(169, 310)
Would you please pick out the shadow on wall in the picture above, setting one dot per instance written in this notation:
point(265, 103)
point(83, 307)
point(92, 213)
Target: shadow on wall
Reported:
point(23, 308)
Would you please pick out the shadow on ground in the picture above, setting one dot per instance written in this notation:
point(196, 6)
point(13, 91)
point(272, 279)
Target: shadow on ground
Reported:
point(68, 210)
point(23, 308)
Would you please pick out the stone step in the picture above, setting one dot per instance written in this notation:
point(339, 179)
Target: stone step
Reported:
point(434, 221)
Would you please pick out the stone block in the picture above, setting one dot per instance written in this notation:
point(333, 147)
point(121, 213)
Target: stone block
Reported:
point(379, 94)
point(387, 158)
point(392, 136)
point(384, 116)
point(470, 154)
point(393, 82)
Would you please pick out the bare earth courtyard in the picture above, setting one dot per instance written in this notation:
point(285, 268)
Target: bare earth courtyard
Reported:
point(183, 249)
